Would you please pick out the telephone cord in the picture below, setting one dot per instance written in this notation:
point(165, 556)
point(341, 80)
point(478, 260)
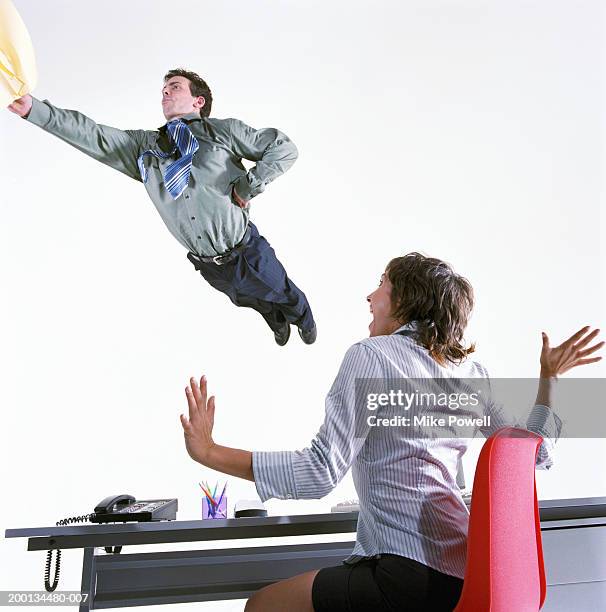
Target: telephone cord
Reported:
point(49, 555)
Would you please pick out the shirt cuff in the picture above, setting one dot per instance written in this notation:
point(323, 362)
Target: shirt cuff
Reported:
point(39, 113)
point(245, 189)
point(544, 421)
point(274, 476)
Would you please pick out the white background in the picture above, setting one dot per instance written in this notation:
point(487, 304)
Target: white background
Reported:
point(471, 131)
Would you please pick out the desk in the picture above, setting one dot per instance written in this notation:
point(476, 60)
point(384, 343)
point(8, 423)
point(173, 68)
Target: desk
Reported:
point(573, 532)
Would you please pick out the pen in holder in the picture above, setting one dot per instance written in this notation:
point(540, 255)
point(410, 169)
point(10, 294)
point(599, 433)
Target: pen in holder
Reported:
point(214, 506)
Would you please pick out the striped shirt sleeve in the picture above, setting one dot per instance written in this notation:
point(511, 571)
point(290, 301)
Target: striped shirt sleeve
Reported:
point(313, 472)
point(542, 420)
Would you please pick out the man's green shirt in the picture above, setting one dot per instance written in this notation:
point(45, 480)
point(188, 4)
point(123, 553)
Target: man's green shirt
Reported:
point(204, 219)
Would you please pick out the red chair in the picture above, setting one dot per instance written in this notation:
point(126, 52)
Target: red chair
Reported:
point(505, 571)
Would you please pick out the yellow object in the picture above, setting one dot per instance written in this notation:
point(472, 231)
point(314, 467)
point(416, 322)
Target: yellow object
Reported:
point(18, 73)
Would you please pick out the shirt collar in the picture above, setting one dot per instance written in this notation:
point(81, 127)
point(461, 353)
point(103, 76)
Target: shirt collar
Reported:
point(410, 326)
point(186, 118)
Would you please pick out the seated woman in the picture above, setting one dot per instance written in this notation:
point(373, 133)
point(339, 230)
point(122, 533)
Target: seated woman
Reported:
point(410, 548)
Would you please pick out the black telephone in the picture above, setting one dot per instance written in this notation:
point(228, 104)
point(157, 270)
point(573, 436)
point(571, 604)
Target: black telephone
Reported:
point(125, 508)
point(114, 509)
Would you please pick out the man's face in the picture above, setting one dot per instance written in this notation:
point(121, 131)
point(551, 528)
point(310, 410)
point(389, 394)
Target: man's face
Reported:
point(177, 100)
point(381, 308)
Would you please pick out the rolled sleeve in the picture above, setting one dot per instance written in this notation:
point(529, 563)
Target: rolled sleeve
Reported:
point(274, 476)
point(543, 421)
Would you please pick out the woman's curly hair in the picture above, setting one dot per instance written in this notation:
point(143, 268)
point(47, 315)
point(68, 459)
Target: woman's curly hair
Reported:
point(428, 291)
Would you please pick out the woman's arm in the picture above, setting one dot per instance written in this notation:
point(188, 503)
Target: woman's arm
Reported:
point(310, 473)
point(542, 418)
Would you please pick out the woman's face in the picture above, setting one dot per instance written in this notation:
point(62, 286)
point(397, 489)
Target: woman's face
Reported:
point(381, 308)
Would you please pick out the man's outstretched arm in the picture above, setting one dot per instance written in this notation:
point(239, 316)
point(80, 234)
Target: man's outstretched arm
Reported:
point(116, 148)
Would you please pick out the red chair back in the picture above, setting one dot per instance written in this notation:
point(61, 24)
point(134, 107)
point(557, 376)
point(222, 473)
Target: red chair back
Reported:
point(505, 570)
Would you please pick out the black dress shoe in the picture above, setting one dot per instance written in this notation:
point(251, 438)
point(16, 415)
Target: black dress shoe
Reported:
point(308, 335)
point(283, 334)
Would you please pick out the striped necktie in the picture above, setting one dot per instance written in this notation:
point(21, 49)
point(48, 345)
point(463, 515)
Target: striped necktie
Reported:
point(177, 174)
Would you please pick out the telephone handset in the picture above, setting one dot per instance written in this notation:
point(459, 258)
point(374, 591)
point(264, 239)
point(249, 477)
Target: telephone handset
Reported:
point(110, 504)
point(114, 509)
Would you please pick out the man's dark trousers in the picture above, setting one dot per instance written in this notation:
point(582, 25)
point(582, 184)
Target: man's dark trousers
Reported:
point(256, 279)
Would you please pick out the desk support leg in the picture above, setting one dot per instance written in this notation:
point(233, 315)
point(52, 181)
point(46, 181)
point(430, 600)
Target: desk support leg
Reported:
point(88, 579)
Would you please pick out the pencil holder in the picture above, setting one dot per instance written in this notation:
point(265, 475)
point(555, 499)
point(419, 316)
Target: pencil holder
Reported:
point(212, 511)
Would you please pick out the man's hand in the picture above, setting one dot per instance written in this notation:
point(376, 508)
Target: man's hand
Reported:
point(239, 201)
point(21, 106)
point(570, 354)
point(199, 427)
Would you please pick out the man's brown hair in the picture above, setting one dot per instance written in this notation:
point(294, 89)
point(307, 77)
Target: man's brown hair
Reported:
point(428, 291)
point(197, 87)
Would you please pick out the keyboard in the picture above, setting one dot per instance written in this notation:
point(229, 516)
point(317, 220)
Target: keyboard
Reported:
point(349, 505)
point(353, 505)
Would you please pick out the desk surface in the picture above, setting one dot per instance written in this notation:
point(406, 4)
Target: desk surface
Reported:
point(553, 512)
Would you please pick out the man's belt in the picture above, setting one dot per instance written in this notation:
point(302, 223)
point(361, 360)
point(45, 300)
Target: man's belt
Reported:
point(224, 257)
